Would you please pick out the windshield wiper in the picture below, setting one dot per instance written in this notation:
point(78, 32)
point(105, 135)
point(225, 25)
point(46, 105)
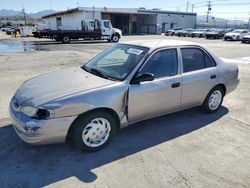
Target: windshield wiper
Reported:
point(97, 72)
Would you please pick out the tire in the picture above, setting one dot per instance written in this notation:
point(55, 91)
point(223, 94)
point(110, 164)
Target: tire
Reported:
point(94, 128)
point(66, 39)
point(213, 100)
point(115, 38)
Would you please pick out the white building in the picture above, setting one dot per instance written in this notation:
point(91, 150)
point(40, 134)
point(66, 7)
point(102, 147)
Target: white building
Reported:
point(130, 21)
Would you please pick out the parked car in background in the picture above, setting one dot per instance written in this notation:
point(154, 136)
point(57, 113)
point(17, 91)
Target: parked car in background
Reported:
point(183, 32)
point(215, 34)
point(235, 35)
point(246, 38)
point(173, 31)
point(5, 28)
point(199, 33)
point(124, 84)
point(12, 30)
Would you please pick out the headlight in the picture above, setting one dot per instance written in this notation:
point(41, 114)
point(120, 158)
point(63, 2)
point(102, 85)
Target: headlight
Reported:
point(29, 110)
point(37, 113)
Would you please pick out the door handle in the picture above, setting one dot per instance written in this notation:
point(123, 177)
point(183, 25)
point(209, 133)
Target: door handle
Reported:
point(213, 76)
point(175, 85)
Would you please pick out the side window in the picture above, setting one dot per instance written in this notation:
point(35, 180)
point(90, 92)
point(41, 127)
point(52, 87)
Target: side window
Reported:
point(208, 61)
point(162, 63)
point(106, 24)
point(195, 59)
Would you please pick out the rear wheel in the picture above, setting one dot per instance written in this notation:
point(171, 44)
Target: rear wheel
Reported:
point(66, 39)
point(93, 131)
point(213, 100)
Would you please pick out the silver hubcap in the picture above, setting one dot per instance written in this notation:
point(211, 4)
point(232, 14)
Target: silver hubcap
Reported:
point(96, 132)
point(115, 38)
point(215, 100)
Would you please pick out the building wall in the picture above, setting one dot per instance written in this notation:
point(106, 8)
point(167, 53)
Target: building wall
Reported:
point(163, 20)
point(92, 15)
point(70, 21)
point(176, 20)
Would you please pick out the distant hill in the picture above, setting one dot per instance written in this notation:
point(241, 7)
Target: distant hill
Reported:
point(9, 13)
point(41, 13)
point(13, 13)
point(202, 19)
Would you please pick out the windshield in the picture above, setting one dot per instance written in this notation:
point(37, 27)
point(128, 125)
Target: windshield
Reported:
point(116, 62)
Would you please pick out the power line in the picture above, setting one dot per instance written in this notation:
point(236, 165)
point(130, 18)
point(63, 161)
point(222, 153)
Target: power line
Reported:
point(230, 4)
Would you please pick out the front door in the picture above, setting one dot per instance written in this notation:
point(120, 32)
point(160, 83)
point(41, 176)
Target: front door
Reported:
point(163, 94)
point(106, 28)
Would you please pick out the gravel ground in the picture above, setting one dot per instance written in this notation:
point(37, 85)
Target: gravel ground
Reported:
point(184, 149)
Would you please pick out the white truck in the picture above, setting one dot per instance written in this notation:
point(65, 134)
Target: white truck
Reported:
point(91, 29)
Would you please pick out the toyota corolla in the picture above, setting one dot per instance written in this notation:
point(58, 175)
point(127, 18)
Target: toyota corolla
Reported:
point(124, 84)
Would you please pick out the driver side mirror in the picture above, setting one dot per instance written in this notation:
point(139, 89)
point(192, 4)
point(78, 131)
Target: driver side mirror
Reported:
point(142, 78)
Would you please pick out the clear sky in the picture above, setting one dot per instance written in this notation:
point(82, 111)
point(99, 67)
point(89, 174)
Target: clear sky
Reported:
point(220, 8)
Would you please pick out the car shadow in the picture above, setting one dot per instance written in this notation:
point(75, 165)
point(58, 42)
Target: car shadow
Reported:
point(35, 166)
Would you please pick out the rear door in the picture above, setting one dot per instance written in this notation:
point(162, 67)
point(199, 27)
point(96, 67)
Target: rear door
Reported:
point(163, 94)
point(199, 76)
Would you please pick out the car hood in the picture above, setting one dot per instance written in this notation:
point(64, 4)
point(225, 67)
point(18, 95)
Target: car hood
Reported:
point(229, 34)
point(212, 32)
point(198, 32)
point(54, 85)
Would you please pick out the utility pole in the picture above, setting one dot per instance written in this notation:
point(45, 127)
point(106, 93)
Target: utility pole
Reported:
point(208, 9)
point(187, 6)
point(248, 25)
point(24, 16)
point(192, 7)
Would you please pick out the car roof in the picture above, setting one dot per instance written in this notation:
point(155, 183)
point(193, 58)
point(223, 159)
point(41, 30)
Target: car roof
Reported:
point(153, 44)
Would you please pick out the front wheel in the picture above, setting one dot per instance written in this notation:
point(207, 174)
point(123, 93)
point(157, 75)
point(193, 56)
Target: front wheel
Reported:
point(213, 100)
point(115, 38)
point(93, 131)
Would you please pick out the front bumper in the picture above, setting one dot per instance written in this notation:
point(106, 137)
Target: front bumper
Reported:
point(245, 40)
point(38, 132)
point(228, 37)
